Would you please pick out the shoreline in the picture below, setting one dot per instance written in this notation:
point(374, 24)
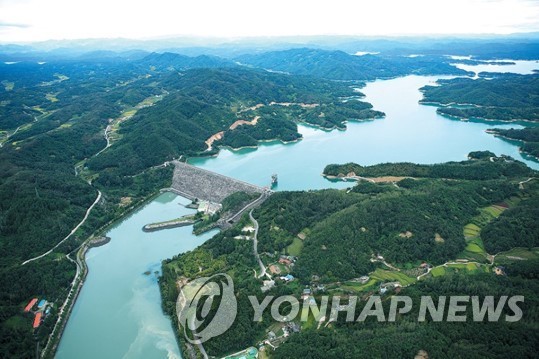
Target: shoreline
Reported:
point(485, 119)
point(179, 222)
point(355, 178)
point(298, 121)
point(55, 338)
point(214, 152)
point(120, 217)
point(450, 105)
point(304, 123)
point(492, 131)
point(235, 149)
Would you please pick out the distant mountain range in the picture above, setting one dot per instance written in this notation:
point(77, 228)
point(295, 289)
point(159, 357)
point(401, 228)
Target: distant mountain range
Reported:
point(339, 65)
point(515, 46)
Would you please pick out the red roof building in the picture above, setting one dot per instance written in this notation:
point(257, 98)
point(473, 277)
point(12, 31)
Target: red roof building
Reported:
point(30, 305)
point(37, 320)
point(285, 261)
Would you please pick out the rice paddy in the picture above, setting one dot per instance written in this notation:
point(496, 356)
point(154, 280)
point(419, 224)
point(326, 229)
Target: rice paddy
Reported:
point(475, 249)
point(517, 254)
point(385, 275)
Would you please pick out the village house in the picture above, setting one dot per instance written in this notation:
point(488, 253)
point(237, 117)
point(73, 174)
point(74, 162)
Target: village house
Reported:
point(306, 293)
point(285, 261)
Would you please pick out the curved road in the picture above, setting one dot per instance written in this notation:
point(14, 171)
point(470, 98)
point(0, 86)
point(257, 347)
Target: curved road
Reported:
point(107, 130)
point(70, 234)
point(253, 204)
point(255, 245)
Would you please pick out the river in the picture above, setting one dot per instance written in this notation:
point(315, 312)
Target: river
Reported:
point(118, 313)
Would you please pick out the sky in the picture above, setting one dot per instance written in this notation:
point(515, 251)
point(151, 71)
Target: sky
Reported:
point(39, 20)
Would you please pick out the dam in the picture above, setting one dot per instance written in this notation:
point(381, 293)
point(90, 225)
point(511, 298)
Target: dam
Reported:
point(197, 183)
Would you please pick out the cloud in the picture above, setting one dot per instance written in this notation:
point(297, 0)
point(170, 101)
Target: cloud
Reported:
point(36, 20)
point(10, 24)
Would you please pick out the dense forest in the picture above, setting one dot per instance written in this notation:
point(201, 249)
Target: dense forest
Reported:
point(505, 97)
point(407, 223)
point(104, 122)
point(339, 65)
point(54, 159)
point(529, 137)
point(203, 102)
point(473, 169)
point(516, 227)
point(407, 338)
point(41, 197)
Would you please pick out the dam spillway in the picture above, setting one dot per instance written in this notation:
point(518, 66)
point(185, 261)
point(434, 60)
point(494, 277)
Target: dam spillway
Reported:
point(196, 183)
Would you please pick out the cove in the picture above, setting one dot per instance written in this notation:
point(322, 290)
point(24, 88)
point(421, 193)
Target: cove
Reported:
point(410, 132)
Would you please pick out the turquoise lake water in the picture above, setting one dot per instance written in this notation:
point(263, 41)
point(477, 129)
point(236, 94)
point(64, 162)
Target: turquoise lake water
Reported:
point(118, 313)
point(410, 132)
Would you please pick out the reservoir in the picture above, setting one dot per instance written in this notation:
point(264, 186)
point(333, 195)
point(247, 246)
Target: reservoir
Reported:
point(523, 67)
point(410, 132)
point(118, 313)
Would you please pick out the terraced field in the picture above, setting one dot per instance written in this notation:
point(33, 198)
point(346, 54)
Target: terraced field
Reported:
point(516, 255)
point(475, 249)
point(358, 287)
point(438, 271)
point(471, 268)
point(385, 275)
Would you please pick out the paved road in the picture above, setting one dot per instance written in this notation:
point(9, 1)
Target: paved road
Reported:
point(69, 296)
point(255, 246)
point(521, 183)
point(107, 130)
point(70, 234)
point(251, 206)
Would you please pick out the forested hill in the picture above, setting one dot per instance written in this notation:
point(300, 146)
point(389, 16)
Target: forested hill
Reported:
point(339, 65)
point(178, 62)
point(203, 102)
point(56, 119)
point(504, 97)
point(72, 128)
point(478, 167)
point(52, 118)
point(388, 231)
point(529, 137)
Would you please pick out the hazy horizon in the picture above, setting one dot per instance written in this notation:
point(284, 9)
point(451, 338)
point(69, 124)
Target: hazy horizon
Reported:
point(29, 21)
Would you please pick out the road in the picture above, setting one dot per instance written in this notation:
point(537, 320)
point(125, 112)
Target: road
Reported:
point(8, 136)
point(70, 234)
point(69, 296)
point(251, 205)
point(446, 264)
point(255, 246)
point(107, 130)
point(521, 183)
